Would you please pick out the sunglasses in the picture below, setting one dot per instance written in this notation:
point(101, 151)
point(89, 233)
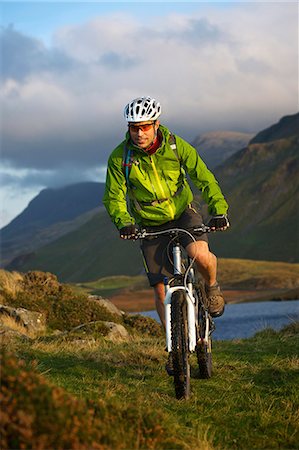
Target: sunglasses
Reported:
point(145, 127)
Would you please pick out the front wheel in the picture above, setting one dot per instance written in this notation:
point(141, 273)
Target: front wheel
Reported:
point(180, 348)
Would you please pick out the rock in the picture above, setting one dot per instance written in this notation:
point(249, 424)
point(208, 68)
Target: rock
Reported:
point(106, 304)
point(109, 330)
point(7, 334)
point(116, 332)
point(33, 321)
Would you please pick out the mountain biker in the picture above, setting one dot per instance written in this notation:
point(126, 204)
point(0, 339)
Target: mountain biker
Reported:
point(146, 186)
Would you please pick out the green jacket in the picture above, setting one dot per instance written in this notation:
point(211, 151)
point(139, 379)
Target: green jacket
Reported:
point(158, 177)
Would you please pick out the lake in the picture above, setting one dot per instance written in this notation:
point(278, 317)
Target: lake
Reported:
point(243, 320)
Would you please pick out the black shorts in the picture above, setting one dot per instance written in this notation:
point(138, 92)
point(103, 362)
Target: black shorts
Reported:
point(155, 257)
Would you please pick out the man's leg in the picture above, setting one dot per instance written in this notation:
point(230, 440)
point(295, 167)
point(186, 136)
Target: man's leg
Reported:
point(206, 263)
point(205, 260)
point(159, 290)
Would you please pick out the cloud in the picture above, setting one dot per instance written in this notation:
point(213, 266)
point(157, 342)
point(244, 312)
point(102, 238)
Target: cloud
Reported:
point(196, 32)
point(116, 61)
point(230, 68)
point(23, 55)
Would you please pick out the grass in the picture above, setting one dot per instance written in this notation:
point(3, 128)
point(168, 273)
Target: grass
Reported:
point(108, 286)
point(12, 324)
point(76, 389)
point(250, 402)
point(269, 279)
point(9, 282)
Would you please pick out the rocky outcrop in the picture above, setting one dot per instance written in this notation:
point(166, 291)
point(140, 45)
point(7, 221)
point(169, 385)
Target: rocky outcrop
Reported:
point(110, 330)
point(116, 331)
point(106, 304)
point(32, 321)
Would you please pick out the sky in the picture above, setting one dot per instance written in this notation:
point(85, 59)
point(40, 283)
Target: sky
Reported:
point(69, 68)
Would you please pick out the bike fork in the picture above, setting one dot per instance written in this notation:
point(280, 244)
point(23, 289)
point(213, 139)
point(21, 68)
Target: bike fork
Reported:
point(191, 317)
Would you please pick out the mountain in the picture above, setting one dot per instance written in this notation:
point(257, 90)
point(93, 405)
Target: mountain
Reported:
point(287, 127)
point(51, 214)
point(216, 146)
point(93, 250)
point(260, 183)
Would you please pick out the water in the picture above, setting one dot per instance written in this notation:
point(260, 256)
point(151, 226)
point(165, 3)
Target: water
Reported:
point(243, 320)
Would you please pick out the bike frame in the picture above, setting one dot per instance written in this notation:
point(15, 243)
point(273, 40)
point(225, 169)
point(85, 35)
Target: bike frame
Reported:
point(192, 306)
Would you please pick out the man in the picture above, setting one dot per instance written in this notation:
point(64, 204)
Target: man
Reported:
point(146, 186)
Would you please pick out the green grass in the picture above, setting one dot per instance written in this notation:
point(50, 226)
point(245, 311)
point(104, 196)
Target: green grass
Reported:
point(87, 392)
point(108, 286)
point(250, 402)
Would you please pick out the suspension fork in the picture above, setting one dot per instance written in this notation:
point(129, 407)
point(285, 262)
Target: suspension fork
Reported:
point(177, 263)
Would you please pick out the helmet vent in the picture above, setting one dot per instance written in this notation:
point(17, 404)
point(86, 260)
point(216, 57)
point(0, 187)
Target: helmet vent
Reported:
point(142, 109)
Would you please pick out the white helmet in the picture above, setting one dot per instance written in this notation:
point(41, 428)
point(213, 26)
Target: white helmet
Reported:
point(141, 109)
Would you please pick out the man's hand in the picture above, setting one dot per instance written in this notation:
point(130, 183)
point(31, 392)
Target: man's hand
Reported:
point(219, 223)
point(128, 232)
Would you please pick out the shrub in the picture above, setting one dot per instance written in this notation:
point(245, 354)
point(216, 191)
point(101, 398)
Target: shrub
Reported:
point(63, 308)
point(144, 325)
point(36, 415)
point(75, 310)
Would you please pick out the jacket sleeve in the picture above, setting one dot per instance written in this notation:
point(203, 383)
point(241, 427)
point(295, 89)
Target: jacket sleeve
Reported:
point(114, 198)
point(202, 178)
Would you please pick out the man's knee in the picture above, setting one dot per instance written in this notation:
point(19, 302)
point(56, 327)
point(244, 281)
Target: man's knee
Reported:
point(159, 291)
point(198, 249)
point(201, 253)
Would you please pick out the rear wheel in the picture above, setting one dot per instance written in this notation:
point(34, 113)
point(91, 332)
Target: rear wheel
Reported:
point(204, 346)
point(180, 350)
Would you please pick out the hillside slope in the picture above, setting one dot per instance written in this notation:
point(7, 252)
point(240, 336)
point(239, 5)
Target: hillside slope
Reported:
point(261, 183)
point(91, 251)
point(215, 147)
point(51, 214)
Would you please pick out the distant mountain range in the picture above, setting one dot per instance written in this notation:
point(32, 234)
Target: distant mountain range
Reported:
point(79, 243)
point(215, 147)
point(51, 214)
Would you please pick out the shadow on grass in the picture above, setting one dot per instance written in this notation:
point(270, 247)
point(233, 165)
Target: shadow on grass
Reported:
point(79, 374)
point(272, 378)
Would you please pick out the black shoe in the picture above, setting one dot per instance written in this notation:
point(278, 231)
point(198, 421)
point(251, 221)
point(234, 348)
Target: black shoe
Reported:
point(169, 365)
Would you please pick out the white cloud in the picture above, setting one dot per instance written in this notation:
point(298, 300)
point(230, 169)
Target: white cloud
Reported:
point(222, 68)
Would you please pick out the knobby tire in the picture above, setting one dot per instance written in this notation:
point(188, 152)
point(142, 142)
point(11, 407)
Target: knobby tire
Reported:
point(180, 350)
point(203, 349)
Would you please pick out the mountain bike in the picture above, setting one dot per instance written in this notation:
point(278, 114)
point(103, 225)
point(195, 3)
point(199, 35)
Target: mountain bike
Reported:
point(189, 326)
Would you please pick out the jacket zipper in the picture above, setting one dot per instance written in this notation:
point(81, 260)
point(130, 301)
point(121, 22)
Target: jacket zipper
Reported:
point(171, 209)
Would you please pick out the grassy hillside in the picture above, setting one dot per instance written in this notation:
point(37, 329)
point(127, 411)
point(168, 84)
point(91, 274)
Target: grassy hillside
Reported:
point(261, 184)
point(92, 250)
point(77, 389)
point(51, 214)
point(95, 251)
point(117, 395)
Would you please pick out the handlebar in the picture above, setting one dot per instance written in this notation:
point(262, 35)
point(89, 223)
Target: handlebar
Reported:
point(173, 231)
